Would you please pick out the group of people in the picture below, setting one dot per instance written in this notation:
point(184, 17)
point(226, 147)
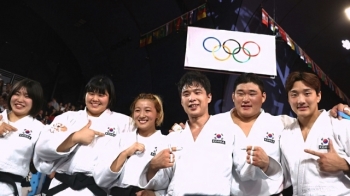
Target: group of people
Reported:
point(244, 151)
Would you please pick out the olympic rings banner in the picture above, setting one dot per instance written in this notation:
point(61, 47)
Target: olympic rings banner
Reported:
point(230, 51)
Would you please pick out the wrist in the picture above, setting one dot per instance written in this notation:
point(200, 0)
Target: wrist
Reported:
point(344, 165)
point(74, 138)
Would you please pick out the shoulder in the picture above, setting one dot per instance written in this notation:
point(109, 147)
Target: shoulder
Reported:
point(221, 115)
point(120, 116)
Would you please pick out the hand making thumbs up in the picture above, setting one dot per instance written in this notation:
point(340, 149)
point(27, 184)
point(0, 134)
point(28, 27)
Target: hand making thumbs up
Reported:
point(86, 135)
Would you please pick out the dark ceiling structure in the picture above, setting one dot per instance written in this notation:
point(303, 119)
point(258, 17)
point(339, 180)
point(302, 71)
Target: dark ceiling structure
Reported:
point(63, 43)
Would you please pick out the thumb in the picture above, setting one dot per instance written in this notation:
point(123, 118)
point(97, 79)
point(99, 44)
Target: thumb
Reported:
point(99, 134)
point(88, 124)
point(182, 125)
point(0, 117)
point(331, 147)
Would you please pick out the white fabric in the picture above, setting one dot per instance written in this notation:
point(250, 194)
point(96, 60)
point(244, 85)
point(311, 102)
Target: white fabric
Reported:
point(203, 166)
point(249, 179)
point(80, 158)
point(17, 149)
point(132, 168)
point(301, 169)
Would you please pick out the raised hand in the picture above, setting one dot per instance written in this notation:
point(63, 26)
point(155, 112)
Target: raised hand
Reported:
point(329, 161)
point(177, 127)
point(256, 156)
point(339, 108)
point(86, 135)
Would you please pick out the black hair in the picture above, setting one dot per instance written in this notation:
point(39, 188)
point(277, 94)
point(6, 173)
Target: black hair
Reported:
point(34, 91)
point(249, 77)
point(194, 78)
point(100, 84)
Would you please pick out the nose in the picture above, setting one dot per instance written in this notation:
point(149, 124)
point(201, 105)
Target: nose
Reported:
point(245, 97)
point(142, 113)
point(95, 97)
point(301, 99)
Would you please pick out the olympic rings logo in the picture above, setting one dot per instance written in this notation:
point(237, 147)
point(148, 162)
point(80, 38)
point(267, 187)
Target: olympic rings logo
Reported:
point(234, 52)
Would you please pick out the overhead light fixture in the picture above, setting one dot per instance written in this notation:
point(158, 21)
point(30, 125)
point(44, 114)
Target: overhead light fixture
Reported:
point(346, 44)
point(347, 12)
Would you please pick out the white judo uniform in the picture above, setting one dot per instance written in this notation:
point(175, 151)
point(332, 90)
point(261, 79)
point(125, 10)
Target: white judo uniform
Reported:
point(80, 158)
point(17, 149)
point(301, 169)
point(130, 173)
point(203, 166)
point(265, 133)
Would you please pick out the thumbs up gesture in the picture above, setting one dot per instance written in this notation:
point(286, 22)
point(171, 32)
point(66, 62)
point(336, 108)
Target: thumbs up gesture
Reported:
point(86, 135)
point(330, 161)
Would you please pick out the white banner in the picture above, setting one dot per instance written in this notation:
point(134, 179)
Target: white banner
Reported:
point(230, 51)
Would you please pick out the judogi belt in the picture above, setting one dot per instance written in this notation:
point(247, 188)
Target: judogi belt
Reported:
point(77, 181)
point(11, 179)
point(128, 191)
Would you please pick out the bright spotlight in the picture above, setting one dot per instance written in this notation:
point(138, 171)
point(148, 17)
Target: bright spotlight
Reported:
point(347, 12)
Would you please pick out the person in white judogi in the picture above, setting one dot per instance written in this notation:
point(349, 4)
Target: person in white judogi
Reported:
point(316, 147)
point(74, 142)
point(253, 127)
point(120, 172)
point(19, 132)
point(204, 164)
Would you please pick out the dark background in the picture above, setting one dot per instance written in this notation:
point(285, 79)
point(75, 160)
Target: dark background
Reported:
point(62, 44)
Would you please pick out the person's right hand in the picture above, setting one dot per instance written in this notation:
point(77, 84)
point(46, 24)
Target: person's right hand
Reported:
point(5, 128)
point(136, 147)
point(163, 159)
point(86, 135)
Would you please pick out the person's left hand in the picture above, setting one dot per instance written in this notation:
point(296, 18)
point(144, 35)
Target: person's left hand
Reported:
point(256, 156)
point(330, 161)
point(145, 193)
point(340, 107)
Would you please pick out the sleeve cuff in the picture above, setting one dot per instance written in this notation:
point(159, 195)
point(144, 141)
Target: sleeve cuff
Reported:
point(274, 171)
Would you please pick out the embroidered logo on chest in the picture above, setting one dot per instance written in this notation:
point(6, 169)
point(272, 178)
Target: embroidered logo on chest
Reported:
point(218, 138)
point(110, 131)
point(270, 137)
point(26, 133)
point(154, 152)
point(58, 127)
point(324, 143)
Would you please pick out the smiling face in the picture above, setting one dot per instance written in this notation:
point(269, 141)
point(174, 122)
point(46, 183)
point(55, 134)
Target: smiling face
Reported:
point(303, 100)
point(96, 103)
point(145, 115)
point(195, 100)
point(20, 103)
point(248, 99)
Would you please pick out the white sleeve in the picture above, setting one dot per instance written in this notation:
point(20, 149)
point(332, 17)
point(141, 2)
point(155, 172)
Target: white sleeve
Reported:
point(341, 129)
point(50, 139)
point(287, 120)
point(160, 193)
point(160, 181)
point(103, 175)
point(287, 181)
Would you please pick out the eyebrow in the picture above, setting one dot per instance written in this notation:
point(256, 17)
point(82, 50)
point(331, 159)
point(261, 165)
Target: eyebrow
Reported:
point(240, 90)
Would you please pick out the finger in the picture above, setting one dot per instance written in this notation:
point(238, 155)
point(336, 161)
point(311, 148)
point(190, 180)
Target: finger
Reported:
point(139, 193)
point(99, 134)
point(171, 131)
point(182, 125)
point(250, 148)
point(0, 117)
point(346, 110)
point(174, 149)
point(9, 127)
point(88, 124)
point(319, 154)
point(331, 147)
